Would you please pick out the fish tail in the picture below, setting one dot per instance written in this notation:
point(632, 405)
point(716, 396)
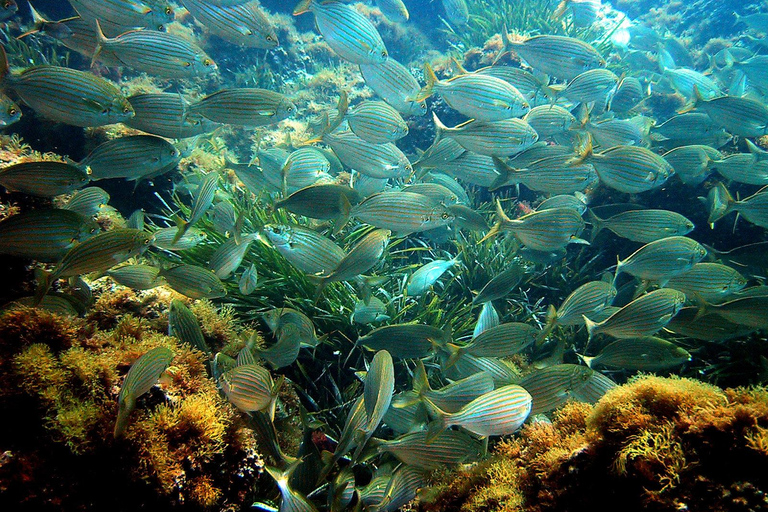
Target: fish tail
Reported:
point(585, 152)
point(586, 360)
point(440, 129)
point(506, 44)
point(420, 379)
point(597, 225)
point(321, 282)
point(342, 107)
point(582, 118)
point(343, 217)
point(505, 174)
point(548, 327)
point(183, 227)
point(281, 476)
point(44, 281)
point(560, 11)
point(591, 327)
point(460, 69)
point(431, 79)
point(126, 408)
point(325, 128)
point(617, 271)
point(5, 69)
point(38, 22)
point(274, 394)
point(100, 40)
point(695, 101)
point(439, 424)
point(501, 218)
point(302, 7)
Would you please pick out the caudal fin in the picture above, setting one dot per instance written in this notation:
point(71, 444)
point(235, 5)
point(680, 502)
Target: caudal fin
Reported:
point(501, 218)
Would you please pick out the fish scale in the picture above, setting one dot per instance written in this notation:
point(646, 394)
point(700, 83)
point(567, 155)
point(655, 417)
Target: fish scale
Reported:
point(166, 115)
point(243, 24)
point(395, 84)
point(559, 56)
point(644, 316)
point(374, 160)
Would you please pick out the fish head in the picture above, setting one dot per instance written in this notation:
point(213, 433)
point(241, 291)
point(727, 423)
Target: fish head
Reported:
point(8, 7)
point(162, 14)
point(204, 65)
point(278, 235)
point(400, 131)
point(9, 113)
point(119, 110)
point(737, 283)
point(285, 109)
point(270, 39)
point(378, 54)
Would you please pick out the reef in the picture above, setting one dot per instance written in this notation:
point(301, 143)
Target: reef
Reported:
point(185, 445)
point(653, 444)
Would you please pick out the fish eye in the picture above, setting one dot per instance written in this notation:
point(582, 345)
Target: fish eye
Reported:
point(12, 111)
point(187, 64)
point(208, 62)
point(445, 216)
point(126, 110)
point(269, 38)
point(384, 54)
point(147, 241)
point(161, 28)
point(168, 10)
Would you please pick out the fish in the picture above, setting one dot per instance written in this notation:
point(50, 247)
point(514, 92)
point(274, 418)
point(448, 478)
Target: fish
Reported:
point(427, 275)
point(127, 13)
point(752, 208)
point(248, 107)
point(619, 132)
point(134, 157)
point(7, 9)
point(394, 10)
point(749, 311)
point(375, 121)
point(243, 24)
point(552, 175)
point(649, 354)
point(405, 341)
point(691, 128)
point(588, 299)
point(66, 95)
point(503, 340)
point(203, 201)
point(434, 191)
point(156, 53)
point(558, 56)
point(285, 351)
point(628, 169)
point(501, 284)
point(402, 488)
point(592, 86)
point(583, 12)
point(88, 201)
point(138, 277)
point(374, 160)
point(684, 80)
point(392, 81)
point(744, 117)
point(193, 281)
point(479, 96)
point(349, 34)
point(467, 218)
point(753, 67)
point(142, 375)
point(291, 499)
point(644, 316)
point(303, 168)
point(472, 168)
point(402, 212)
point(692, 323)
point(628, 95)
point(550, 120)
point(577, 201)
point(448, 448)
point(710, 282)
point(164, 239)
point(456, 11)
point(183, 324)
point(545, 230)
point(365, 254)
point(249, 280)
point(643, 226)
point(44, 234)
point(662, 259)
point(44, 178)
point(742, 168)
point(305, 249)
point(757, 22)
point(378, 388)
point(250, 388)
point(374, 311)
point(692, 164)
point(496, 413)
point(279, 318)
point(229, 255)
point(167, 115)
point(499, 138)
point(552, 387)
point(9, 111)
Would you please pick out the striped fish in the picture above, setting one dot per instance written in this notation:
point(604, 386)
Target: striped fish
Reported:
point(558, 56)
point(619, 132)
point(501, 372)
point(479, 96)
point(755, 68)
point(286, 350)
point(592, 86)
point(140, 378)
point(164, 239)
point(628, 169)
point(305, 167)
point(244, 107)
point(403, 487)
point(473, 168)
point(628, 95)
point(67, 95)
point(644, 316)
point(360, 259)
point(467, 218)
point(588, 299)
point(449, 448)
point(691, 323)
point(749, 311)
point(649, 354)
point(373, 311)
point(44, 235)
point(501, 284)
point(355, 420)
point(395, 85)
point(323, 201)
point(394, 10)
point(692, 163)
point(684, 80)
point(643, 226)
point(229, 255)
point(502, 340)
point(183, 324)
point(243, 24)
point(378, 388)
point(405, 341)
point(434, 183)
point(576, 201)
point(711, 282)
point(167, 115)
point(9, 111)
point(427, 275)
point(500, 138)
point(744, 117)
point(77, 34)
point(552, 175)
point(350, 34)
point(376, 122)
point(753, 208)
point(545, 230)
point(201, 204)
point(194, 282)
point(525, 82)
point(402, 212)
point(156, 53)
point(450, 398)
point(552, 387)
point(249, 280)
point(583, 12)
point(744, 168)
point(153, 14)
point(374, 160)
point(291, 499)
point(496, 413)
point(550, 120)
point(434, 191)
point(134, 157)
point(456, 11)
point(250, 388)
point(43, 179)
point(138, 277)
point(691, 128)
point(663, 259)
point(88, 202)
point(278, 318)
point(305, 249)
